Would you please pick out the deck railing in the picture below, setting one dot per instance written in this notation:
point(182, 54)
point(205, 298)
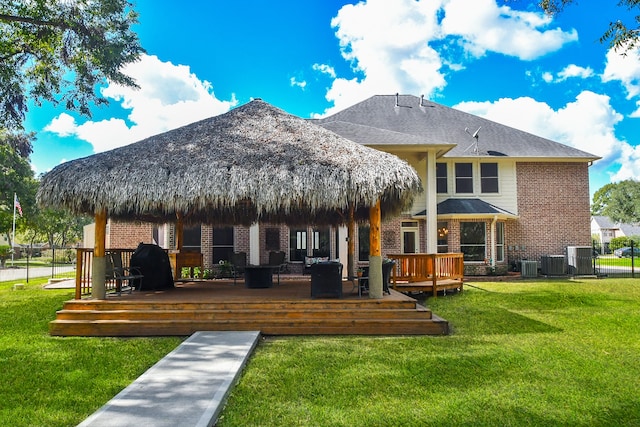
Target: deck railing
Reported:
point(84, 262)
point(411, 268)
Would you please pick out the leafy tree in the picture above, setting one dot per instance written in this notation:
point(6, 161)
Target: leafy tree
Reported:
point(57, 51)
point(16, 176)
point(621, 36)
point(618, 201)
point(56, 227)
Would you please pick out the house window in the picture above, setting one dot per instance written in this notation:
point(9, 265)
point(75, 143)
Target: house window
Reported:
point(500, 241)
point(297, 244)
point(222, 244)
point(321, 242)
point(464, 178)
point(441, 177)
point(473, 238)
point(363, 243)
point(443, 237)
point(489, 177)
point(191, 239)
point(272, 239)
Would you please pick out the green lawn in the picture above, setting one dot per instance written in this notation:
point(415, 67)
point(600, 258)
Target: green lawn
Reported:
point(521, 353)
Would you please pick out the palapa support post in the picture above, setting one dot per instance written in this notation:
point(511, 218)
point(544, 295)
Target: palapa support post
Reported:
point(375, 252)
point(351, 247)
point(179, 231)
point(98, 288)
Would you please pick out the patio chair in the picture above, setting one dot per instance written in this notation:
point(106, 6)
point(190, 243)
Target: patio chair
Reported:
point(387, 267)
point(277, 261)
point(238, 264)
point(326, 279)
point(117, 272)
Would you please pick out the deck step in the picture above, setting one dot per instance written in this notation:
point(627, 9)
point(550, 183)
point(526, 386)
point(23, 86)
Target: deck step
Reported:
point(267, 327)
point(214, 314)
point(282, 310)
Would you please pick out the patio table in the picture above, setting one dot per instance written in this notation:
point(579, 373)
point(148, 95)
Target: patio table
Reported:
point(258, 276)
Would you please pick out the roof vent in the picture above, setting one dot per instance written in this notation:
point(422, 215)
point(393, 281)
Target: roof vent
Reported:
point(397, 95)
point(422, 100)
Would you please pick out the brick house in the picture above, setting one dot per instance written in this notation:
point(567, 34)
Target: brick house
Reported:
point(500, 194)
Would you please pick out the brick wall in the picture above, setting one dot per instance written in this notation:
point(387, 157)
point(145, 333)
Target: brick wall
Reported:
point(554, 210)
point(127, 235)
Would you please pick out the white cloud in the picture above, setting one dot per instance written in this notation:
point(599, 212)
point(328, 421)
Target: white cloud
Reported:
point(624, 68)
point(574, 71)
point(391, 48)
point(170, 96)
point(484, 26)
point(588, 123)
point(63, 125)
point(294, 82)
point(325, 69)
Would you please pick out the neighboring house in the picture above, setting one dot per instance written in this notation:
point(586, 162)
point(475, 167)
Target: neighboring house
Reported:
point(499, 194)
point(605, 230)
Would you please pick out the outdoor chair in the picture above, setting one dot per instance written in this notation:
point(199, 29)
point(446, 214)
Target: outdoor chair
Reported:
point(277, 261)
point(326, 279)
point(117, 272)
point(238, 264)
point(387, 267)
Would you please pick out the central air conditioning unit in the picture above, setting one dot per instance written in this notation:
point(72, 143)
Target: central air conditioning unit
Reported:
point(552, 265)
point(529, 268)
point(579, 260)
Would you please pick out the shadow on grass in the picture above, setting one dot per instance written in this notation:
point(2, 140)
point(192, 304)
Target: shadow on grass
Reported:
point(500, 321)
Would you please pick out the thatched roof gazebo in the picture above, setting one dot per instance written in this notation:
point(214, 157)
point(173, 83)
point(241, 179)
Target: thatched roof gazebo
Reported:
point(254, 163)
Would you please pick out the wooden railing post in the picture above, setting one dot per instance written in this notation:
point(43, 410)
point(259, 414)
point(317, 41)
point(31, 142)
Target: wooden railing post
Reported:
point(79, 270)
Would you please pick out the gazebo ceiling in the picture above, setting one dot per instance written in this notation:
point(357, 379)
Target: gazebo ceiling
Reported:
point(254, 163)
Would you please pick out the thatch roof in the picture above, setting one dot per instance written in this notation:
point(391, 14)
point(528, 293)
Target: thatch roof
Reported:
point(253, 163)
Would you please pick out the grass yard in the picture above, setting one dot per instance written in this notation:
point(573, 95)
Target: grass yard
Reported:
point(51, 381)
point(536, 353)
point(522, 353)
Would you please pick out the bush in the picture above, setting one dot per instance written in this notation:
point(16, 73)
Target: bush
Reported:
point(621, 242)
point(5, 252)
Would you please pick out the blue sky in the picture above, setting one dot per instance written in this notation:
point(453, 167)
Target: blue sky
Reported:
point(505, 61)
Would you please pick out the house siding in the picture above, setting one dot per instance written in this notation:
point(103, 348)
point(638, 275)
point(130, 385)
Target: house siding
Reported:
point(553, 209)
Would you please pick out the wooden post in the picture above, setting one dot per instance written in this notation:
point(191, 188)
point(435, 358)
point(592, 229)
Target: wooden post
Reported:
point(179, 231)
point(351, 247)
point(98, 289)
point(375, 252)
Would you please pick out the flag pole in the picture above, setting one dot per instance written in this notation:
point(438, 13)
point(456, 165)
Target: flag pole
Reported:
point(13, 234)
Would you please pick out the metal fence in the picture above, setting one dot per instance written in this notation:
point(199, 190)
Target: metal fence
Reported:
point(611, 263)
point(52, 263)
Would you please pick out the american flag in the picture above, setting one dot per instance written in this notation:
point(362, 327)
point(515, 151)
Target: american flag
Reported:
point(16, 203)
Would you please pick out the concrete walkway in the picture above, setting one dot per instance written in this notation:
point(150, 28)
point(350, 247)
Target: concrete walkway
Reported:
point(188, 387)
point(7, 274)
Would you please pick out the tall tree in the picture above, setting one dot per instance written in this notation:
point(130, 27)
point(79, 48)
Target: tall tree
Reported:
point(619, 201)
point(16, 177)
point(57, 51)
point(620, 35)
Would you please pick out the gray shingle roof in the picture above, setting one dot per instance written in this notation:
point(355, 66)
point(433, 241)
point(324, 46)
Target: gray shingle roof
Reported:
point(467, 207)
point(378, 121)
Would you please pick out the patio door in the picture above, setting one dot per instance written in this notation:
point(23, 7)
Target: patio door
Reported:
point(410, 236)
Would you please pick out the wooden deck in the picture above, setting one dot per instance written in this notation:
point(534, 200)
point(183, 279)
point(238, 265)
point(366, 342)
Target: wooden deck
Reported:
point(218, 305)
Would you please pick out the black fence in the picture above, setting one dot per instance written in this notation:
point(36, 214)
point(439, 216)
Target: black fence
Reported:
point(57, 262)
point(622, 262)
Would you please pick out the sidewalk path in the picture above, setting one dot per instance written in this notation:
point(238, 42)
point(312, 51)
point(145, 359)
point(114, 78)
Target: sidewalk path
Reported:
point(188, 387)
point(7, 274)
